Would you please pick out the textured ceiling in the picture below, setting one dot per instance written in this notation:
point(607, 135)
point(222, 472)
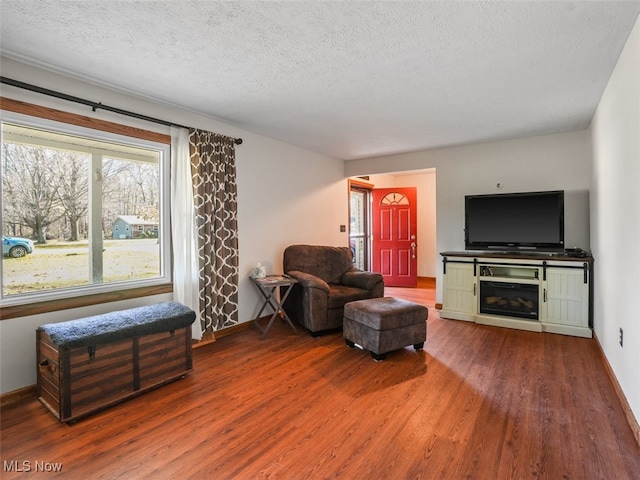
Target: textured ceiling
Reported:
point(349, 79)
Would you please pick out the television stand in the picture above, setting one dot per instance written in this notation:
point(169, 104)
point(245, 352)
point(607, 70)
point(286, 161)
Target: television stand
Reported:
point(535, 291)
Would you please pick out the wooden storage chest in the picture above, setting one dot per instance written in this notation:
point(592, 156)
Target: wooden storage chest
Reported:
point(89, 364)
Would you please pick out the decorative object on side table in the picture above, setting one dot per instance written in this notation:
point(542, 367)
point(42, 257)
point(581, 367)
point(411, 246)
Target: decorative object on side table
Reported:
point(259, 271)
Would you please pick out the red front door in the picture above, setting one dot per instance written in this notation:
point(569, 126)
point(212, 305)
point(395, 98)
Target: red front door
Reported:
point(394, 236)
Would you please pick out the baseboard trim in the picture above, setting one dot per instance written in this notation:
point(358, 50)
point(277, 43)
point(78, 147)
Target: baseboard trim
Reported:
point(234, 329)
point(426, 282)
point(628, 413)
point(205, 340)
point(212, 337)
point(18, 396)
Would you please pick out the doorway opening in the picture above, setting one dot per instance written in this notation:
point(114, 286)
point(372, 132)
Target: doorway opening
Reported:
point(362, 239)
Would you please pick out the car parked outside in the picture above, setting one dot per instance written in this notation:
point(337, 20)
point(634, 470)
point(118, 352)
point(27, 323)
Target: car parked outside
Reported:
point(16, 247)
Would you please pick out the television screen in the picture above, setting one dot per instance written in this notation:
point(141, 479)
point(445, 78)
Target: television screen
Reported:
point(512, 221)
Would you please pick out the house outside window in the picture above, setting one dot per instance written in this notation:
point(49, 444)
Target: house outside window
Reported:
point(63, 187)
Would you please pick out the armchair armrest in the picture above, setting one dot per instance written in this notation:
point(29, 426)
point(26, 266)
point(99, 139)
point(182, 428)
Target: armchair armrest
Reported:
point(309, 281)
point(358, 278)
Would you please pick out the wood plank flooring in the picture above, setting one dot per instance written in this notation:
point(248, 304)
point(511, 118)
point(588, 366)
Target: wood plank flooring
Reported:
point(479, 402)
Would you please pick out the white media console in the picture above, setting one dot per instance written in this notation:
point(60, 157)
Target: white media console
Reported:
point(540, 292)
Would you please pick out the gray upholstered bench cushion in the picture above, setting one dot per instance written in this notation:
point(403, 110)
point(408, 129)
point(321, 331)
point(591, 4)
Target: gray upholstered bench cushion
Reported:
point(119, 325)
point(385, 313)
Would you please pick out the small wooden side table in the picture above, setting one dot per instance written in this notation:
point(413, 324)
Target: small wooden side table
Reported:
point(267, 286)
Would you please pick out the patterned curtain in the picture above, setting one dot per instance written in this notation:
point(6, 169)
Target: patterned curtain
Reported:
point(213, 165)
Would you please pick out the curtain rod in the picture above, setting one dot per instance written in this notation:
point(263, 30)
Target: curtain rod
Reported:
point(94, 106)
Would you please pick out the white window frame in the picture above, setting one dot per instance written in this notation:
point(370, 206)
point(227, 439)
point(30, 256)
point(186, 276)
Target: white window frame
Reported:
point(164, 234)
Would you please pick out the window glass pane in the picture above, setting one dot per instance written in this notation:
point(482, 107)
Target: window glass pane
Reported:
point(357, 212)
point(131, 215)
point(77, 211)
point(358, 227)
point(394, 198)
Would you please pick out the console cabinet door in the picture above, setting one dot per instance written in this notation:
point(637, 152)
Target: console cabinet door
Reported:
point(567, 297)
point(460, 289)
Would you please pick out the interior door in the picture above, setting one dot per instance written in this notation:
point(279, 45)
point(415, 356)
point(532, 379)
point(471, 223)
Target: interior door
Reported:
point(395, 242)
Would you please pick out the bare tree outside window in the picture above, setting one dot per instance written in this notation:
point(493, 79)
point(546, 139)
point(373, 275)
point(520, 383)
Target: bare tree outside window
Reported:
point(30, 190)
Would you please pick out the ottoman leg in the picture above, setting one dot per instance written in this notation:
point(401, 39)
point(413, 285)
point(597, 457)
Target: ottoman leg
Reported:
point(418, 346)
point(349, 343)
point(378, 357)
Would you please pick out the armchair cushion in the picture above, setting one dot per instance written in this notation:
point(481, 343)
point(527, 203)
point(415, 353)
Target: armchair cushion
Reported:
point(341, 294)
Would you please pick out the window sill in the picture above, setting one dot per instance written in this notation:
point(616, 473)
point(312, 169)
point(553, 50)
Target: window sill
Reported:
point(16, 311)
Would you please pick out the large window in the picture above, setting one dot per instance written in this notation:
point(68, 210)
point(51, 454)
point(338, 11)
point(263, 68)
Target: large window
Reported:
point(83, 211)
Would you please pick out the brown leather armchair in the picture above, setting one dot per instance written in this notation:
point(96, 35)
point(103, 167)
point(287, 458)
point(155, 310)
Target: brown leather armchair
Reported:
point(327, 280)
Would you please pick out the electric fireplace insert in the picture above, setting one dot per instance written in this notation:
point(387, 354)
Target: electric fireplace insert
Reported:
point(509, 299)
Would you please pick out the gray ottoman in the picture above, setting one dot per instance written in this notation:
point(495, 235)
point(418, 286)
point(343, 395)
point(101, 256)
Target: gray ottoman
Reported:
point(382, 325)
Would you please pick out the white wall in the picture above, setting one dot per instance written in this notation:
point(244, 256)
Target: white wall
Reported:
point(615, 219)
point(425, 183)
point(285, 195)
point(550, 162)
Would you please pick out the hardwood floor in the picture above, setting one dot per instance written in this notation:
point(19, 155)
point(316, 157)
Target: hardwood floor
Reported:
point(479, 402)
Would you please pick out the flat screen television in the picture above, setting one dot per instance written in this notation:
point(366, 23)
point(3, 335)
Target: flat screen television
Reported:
point(515, 221)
